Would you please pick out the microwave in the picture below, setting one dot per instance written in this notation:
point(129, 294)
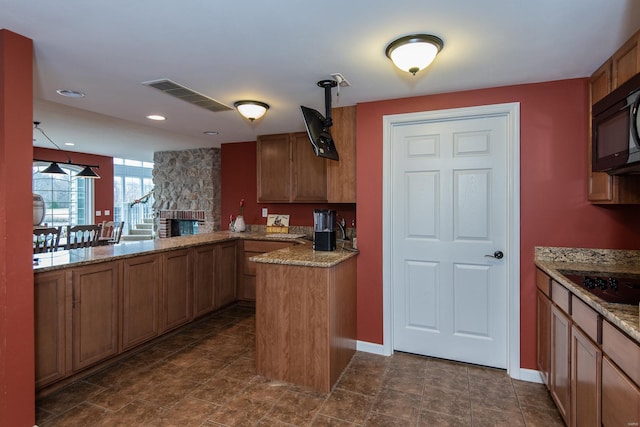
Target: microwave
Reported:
point(615, 137)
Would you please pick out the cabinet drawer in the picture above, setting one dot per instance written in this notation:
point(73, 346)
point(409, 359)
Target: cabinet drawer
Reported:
point(585, 317)
point(543, 282)
point(621, 350)
point(560, 296)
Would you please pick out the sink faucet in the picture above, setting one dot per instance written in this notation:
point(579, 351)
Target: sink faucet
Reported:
point(342, 226)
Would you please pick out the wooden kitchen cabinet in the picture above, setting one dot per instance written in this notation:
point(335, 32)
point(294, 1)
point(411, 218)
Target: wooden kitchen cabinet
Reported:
point(560, 374)
point(95, 313)
point(247, 281)
point(625, 63)
point(140, 299)
point(177, 286)
point(341, 175)
point(586, 362)
point(602, 187)
point(305, 322)
point(620, 397)
point(50, 324)
point(226, 259)
point(543, 337)
point(204, 279)
point(288, 170)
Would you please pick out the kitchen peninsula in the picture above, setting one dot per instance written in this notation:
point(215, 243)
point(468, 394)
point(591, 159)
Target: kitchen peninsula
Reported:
point(94, 306)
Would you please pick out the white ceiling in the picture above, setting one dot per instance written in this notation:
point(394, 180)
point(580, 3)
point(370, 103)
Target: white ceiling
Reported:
point(275, 51)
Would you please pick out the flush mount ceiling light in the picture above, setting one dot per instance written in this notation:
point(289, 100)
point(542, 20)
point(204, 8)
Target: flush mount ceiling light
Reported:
point(55, 169)
point(156, 117)
point(415, 52)
point(251, 110)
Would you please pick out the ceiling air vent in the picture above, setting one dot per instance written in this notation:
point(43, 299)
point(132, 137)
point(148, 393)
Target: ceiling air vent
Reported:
point(174, 89)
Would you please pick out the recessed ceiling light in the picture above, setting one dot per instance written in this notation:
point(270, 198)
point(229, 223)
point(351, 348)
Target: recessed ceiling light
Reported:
point(211, 132)
point(70, 144)
point(70, 93)
point(156, 117)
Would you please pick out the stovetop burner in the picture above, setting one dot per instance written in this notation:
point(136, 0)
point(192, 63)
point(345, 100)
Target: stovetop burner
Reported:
point(619, 288)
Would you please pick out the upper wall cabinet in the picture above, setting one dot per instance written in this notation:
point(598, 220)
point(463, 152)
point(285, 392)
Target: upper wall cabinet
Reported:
point(624, 64)
point(289, 171)
point(341, 175)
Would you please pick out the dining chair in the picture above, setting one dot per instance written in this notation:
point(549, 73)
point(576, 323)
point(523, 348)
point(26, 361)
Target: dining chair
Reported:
point(111, 232)
point(46, 239)
point(83, 236)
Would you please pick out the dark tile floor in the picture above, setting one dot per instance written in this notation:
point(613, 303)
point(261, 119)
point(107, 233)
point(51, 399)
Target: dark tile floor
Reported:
point(205, 376)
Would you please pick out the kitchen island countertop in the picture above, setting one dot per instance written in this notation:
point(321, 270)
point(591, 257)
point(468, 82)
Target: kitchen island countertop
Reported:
point(305, 256)
point(77, 257)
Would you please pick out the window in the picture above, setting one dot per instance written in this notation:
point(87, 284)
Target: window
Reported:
point(68, 200)
point(132, 180)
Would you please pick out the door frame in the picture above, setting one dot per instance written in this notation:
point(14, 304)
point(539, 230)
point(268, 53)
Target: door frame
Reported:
point(512, 249)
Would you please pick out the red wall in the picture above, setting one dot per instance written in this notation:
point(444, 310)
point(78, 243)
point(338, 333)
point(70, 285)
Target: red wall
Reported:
point(17, 375)
point(103, 187)
point(554, 209)
point(239, 182)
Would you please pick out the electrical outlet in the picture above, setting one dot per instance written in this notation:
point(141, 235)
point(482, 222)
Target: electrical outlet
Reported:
point(265, 212)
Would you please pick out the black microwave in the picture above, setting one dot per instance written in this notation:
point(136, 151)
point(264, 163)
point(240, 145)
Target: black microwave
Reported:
point(615, 138)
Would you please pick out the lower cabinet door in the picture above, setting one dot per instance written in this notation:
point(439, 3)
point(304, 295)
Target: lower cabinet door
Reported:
point(177, 284)
point(586, 360)
point(560, 375)
point(620, 397)
point(140, 300)
point(50, 323)
point(204, 280)
point(543, 340)
point(94, 313)
point(227, 273)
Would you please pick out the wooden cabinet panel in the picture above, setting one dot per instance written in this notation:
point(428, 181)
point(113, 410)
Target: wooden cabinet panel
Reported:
point(586, 359)
point(225, 292)
point(543, 282)
point(585, 318)
point(177, 284)
point(560, 375)
point(600, 82)
point(543, 338)
point(140, 299)
point(620, 397)
point(204, 280)
point(274, 168)
point(560, 296)
point(94, 313)
point(309, 180)
point(341, 175)
point(621, 350)
point(50, 325)
point(625, 63)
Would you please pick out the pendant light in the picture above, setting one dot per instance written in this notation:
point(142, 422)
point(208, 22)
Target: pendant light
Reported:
point(251, 110)
point(55, 169)
point(415, 52)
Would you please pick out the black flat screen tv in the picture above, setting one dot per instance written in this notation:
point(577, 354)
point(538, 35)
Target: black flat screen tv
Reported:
point(319, 135)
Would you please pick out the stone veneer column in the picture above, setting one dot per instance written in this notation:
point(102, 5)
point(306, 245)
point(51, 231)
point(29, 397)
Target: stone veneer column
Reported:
point(188, 180)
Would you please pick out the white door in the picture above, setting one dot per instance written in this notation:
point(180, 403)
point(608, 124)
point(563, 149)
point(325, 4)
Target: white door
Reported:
point(448, 229)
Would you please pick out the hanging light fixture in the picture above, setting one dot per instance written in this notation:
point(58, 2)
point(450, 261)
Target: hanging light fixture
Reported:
point(415, 52)
point(55, 169)
point(251, 110)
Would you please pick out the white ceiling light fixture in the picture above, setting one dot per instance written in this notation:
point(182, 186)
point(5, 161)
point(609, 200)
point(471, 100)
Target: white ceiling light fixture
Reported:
point(70, 93)
point(415, 52)
point(251, 110)
point(156, 117)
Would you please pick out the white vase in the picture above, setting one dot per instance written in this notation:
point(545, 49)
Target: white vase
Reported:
point(239, 224)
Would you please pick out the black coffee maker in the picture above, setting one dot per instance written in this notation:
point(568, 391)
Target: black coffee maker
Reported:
point(324, 234)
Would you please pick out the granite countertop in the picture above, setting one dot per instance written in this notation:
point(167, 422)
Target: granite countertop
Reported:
point(304, 255)
point(587, 262)
point(78, 257)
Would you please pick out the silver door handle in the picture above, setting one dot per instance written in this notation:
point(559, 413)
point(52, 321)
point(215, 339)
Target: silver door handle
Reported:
point(496, 255)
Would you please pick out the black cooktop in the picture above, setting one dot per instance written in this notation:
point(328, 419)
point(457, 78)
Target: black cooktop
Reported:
point(619, 288)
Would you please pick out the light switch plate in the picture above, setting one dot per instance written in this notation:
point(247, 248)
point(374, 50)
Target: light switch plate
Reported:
point(98, 213)
point(107, 212)
point(265, 212)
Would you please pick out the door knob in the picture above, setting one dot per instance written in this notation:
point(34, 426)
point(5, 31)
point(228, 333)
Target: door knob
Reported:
point(496, 255)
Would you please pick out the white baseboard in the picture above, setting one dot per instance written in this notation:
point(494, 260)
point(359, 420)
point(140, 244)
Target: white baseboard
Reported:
point(369, 347)
point(530, 375)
